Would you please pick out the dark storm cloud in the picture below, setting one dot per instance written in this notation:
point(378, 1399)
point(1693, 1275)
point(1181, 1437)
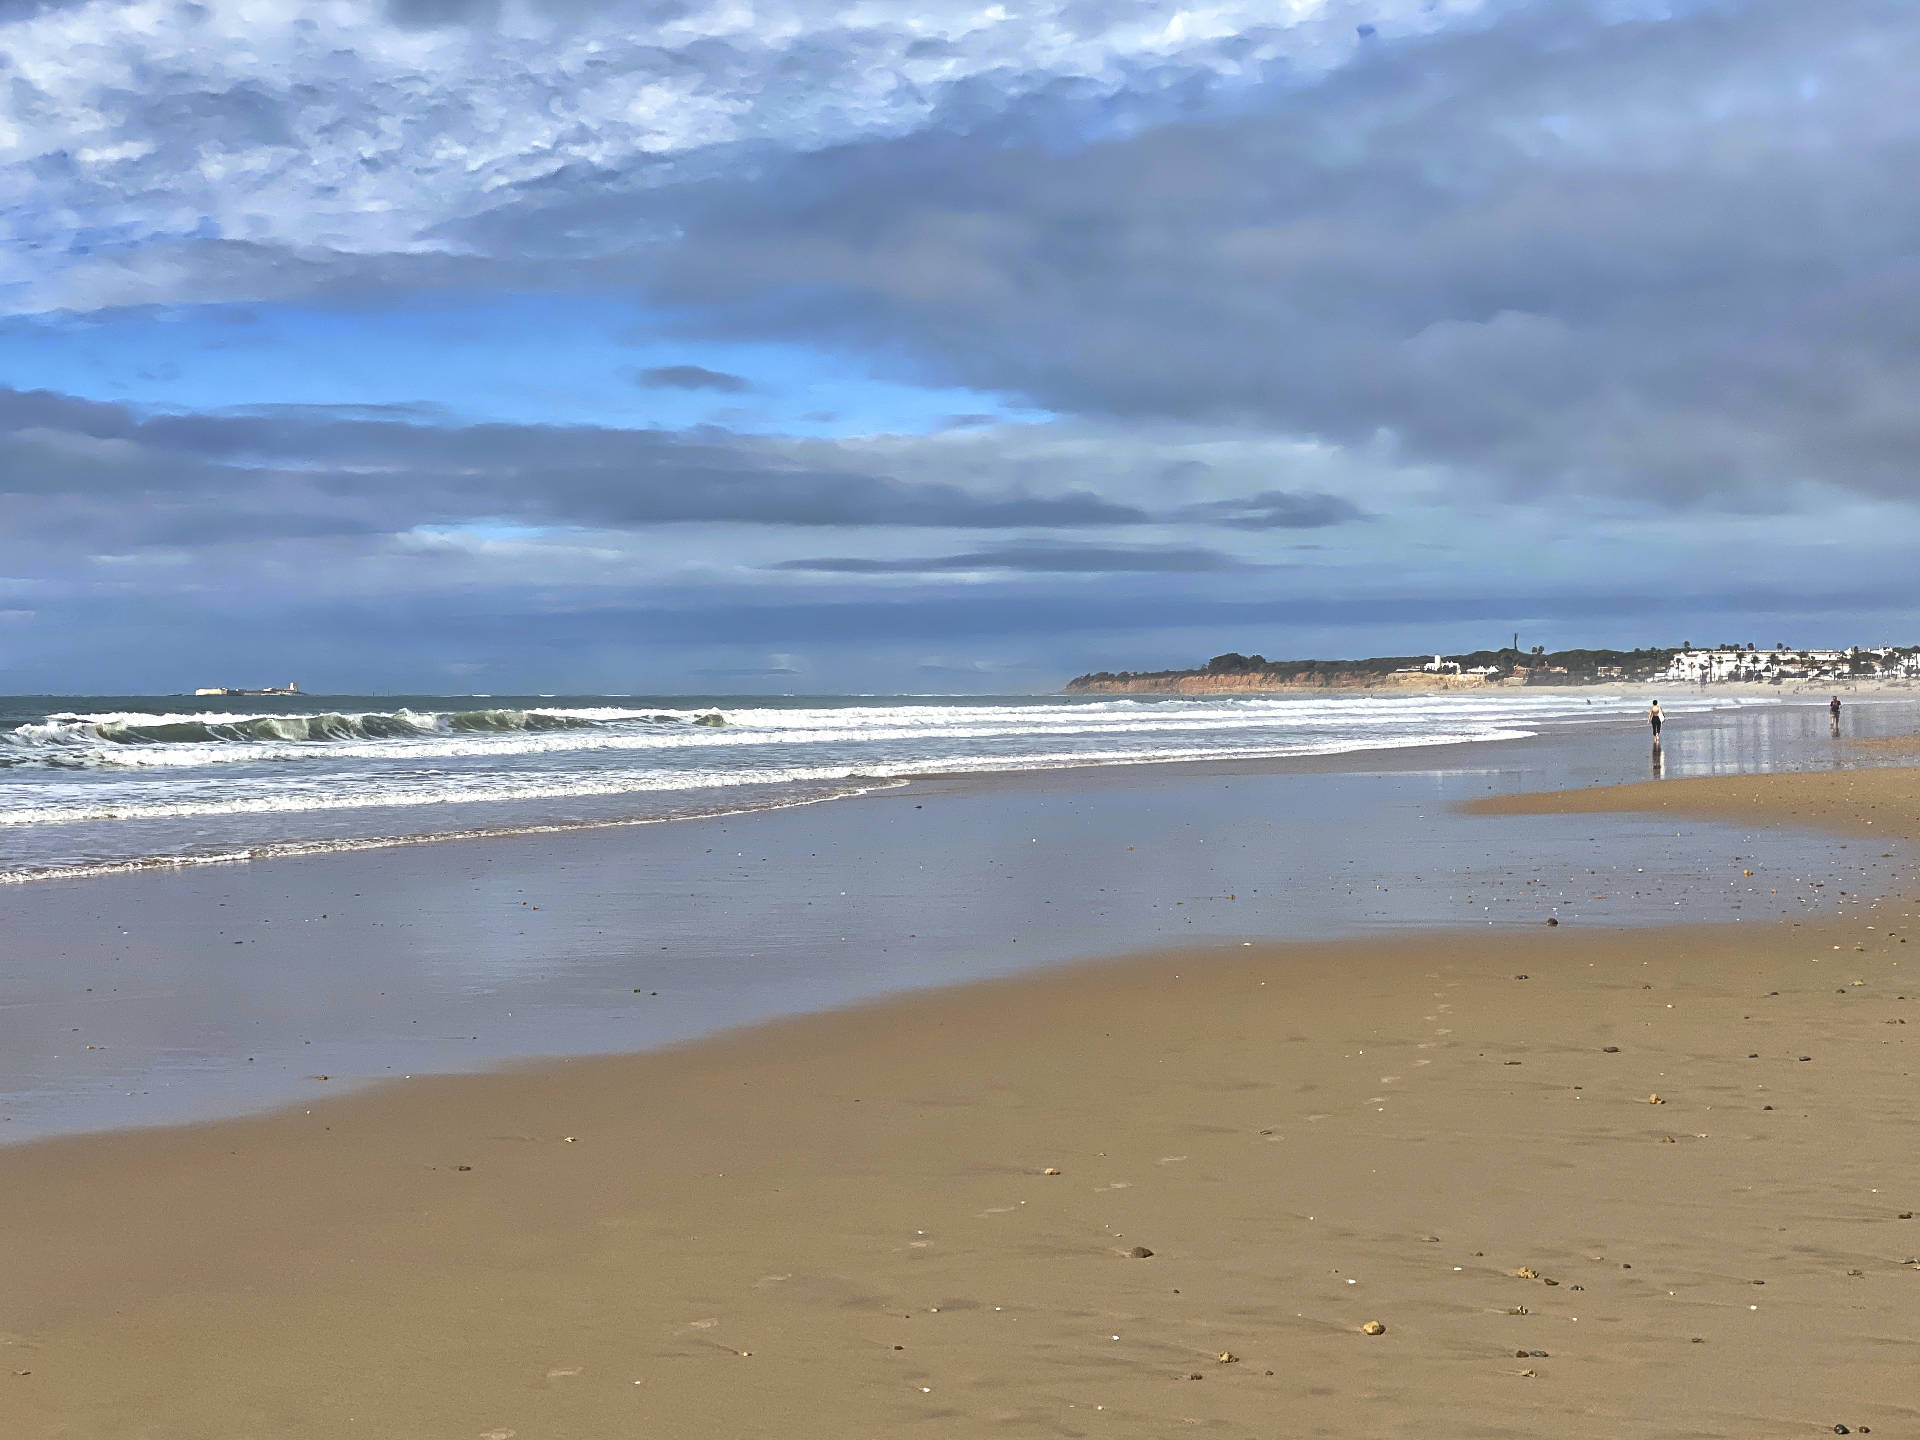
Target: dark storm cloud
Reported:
point(101, 470)
point(1670, 255)
point(690, 377)
point(1036, 557)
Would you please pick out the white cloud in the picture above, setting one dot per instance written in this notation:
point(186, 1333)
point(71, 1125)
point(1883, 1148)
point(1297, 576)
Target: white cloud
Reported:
point(317, 128)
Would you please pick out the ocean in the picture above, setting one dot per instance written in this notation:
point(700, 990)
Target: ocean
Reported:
point(165, 983)
point(97, 784)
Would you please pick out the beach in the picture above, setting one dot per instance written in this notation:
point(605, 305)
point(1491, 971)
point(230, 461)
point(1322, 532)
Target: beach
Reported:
point(927, 1211)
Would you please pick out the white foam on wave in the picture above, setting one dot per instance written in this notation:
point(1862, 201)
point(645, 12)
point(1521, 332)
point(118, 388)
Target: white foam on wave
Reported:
point(99, 741)
point(335, 793)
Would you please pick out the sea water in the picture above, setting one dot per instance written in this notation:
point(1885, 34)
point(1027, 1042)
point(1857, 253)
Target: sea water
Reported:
point(103, 783)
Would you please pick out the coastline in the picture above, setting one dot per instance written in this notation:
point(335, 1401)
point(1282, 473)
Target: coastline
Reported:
point(174, 995)
point(733, 1236)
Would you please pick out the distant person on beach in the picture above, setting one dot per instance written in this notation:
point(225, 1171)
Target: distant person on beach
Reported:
point(1654, 717)
point(1833, 711)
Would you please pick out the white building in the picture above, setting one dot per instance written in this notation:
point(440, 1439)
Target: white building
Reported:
point(1713, 667)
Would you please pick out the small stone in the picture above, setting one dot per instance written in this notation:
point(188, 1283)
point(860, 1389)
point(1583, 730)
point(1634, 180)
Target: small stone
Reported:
point(1906, 1214)
point(1227, 1357)
point(1538, 1355)
point(1196, 1375)
point(1373, 1327)
point(1553, 920)
point(1549, 1281)
point(1698, 1340)
point(1140, 1252)
point(1050, 1171)
point(1610, 1049)
point(1523, 977)
point(1655, 1100)
point(1841, 1430)
point(1526, 1272)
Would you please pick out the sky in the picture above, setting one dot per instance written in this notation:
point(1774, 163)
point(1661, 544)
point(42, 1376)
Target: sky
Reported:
point(448, 346)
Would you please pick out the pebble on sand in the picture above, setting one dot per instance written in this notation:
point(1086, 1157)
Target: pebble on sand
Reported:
point(1655, 1100)
point(1227, 1357)
point(1140, 1252)
point(1049, 1171)
point(1373, 1327)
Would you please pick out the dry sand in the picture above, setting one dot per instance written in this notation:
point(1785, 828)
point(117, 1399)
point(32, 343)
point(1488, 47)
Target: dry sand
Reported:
point(844, 1226)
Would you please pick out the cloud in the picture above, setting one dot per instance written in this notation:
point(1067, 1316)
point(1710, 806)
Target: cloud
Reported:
point(1654, 251)
point(372, 130)
point(1664, 254)
point(1275, 510)
point(690, 377)
point(1035, 557)
point(82, 468)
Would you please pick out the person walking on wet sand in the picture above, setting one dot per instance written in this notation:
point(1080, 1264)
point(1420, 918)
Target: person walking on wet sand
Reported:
point(1833, 713)
point(1654, 717)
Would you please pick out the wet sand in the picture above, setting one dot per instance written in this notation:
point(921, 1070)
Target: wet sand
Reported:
point(844, 1224)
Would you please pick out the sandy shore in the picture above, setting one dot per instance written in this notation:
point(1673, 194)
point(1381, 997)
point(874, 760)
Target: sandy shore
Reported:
point(845, 1225)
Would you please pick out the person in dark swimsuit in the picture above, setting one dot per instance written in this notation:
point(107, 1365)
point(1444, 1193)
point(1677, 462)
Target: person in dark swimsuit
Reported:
point(1833, 711)
point(1654, 717)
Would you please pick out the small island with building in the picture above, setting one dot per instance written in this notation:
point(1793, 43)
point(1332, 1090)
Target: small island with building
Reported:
point(1234, 673)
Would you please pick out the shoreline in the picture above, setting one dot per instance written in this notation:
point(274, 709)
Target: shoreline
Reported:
point(173, 995)
point(1379, 754)
point(842, 1223)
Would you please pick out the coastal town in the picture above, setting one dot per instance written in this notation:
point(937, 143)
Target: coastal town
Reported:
point(1727, 664)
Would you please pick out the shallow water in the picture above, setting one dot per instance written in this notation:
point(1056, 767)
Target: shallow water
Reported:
point(106, 783)
point(181, 994)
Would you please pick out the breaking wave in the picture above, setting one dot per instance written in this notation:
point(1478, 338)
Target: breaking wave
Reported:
point(63, 740)
point(88, 788)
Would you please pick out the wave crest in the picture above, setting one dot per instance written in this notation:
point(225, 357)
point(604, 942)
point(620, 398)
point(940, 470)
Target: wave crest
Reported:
point(70, 732)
